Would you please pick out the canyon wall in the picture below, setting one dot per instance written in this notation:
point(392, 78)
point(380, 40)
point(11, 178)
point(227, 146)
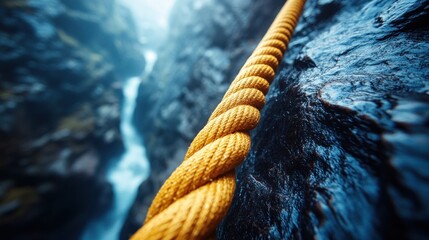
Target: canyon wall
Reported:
point(62, 64)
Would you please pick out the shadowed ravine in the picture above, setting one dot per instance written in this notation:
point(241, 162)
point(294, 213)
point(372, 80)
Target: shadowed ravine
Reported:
point(340, 151)
point(126, 174)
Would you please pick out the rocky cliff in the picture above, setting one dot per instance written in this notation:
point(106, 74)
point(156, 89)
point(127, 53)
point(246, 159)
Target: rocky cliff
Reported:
point(340, 152)
point(61, 67)
point(341, 149)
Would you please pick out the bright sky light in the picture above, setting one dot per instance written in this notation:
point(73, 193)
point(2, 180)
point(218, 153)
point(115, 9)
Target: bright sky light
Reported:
point(150, 16)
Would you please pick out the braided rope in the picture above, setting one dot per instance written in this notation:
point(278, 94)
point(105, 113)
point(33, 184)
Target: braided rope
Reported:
point(197, 195)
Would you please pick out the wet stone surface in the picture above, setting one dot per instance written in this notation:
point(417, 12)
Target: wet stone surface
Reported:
point(342, 143)
point(341, 148)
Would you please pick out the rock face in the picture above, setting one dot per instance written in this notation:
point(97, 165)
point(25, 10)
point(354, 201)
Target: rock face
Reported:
point(61, 67)
point(341, 149)
point(340, 152)
point(207, 44)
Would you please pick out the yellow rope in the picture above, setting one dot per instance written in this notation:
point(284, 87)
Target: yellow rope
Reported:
point(197, 195)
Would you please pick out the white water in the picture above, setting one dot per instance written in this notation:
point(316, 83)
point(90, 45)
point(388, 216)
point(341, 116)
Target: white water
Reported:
point(132, 167)
point(130, 170)
point(126, 175)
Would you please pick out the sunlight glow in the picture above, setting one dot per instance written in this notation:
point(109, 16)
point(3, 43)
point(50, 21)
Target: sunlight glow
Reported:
point(151, 18)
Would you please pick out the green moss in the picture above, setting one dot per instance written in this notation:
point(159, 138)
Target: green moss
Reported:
point(67, 39)
point(5, 95)
point(14, 3)
point(25, 196)
point(82, 121)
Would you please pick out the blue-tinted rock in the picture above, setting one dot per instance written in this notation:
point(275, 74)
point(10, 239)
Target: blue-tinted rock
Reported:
point(61, 67)
point(340, 152)
point(341, 145)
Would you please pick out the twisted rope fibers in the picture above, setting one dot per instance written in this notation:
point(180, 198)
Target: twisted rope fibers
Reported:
point(197, 195)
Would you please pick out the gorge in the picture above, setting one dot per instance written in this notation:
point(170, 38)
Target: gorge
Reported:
point(94, 93)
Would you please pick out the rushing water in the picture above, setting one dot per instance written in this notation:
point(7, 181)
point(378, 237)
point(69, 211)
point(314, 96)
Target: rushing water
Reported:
point(132, 167)
point(129, 171)
point(125, 176)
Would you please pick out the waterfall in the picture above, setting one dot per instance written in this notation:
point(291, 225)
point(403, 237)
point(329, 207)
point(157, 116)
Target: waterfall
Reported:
point(132, 167)
point(125, 176)
point(129, 171)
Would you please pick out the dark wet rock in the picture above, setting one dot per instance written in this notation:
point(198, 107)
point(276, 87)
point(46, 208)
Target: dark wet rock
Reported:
point(49, 206)
point(341, 149)
point(341, 146)
point(61, 67)
point(405, 14)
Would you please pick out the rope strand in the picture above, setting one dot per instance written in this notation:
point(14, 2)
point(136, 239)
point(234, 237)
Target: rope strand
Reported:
point(197, 195)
